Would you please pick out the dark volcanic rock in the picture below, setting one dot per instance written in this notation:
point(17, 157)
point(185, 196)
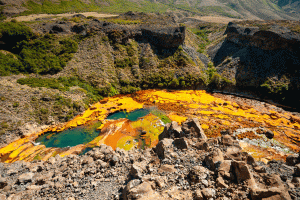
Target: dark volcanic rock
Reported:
point(266, 40)
point(292, 160)
point(169, 37)
point(181, 143)
point(259, 60)
point(3, 183)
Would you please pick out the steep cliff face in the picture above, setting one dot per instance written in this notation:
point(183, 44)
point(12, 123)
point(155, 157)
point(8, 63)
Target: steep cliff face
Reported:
point(267, 61)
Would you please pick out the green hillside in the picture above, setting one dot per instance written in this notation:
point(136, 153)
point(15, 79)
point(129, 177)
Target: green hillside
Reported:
point(250, 9)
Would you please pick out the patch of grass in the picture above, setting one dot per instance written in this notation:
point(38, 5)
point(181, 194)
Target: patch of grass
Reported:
point(121, 6)
point(56, 8)
point(124, 21)
point(203, 36)
point(116, 6)
point(217, 10)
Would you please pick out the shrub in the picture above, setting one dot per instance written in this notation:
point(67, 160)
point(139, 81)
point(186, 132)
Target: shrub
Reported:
point(12, 33)
point(211, 70)
point(44, 111)
point(42, 55)
point(10, 64)
point(129, 89)
point(2, 16)
point(122, 63)
point(276, 87)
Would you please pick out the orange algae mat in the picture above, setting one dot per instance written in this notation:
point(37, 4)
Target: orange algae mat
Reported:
point(215, 114)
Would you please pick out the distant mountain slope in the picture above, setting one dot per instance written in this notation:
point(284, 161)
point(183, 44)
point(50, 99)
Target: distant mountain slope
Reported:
point(250, 9)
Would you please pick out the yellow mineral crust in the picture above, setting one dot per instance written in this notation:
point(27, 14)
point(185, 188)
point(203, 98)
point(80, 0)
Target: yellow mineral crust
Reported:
point(152, 125)
point(177, 118)
point(215, 113)
point(13, 146)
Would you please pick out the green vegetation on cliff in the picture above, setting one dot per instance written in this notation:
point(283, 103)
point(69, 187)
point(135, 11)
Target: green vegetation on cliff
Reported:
point(64, 84)
point(31, 53)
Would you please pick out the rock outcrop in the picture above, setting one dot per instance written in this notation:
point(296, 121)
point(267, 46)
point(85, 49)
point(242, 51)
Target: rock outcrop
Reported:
point(160, 36)
point(263, 59)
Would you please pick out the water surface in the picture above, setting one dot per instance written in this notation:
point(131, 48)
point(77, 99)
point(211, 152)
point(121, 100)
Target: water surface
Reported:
point(68, 138)
point(132, 116)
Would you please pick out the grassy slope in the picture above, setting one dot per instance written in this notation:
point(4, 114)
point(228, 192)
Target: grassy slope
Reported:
point(117, 6)
point(263, 9)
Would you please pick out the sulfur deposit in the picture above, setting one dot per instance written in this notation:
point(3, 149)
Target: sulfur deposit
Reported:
point(264, 131)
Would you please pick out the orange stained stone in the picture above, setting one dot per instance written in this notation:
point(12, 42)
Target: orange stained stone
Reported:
point(114, 131)
point(29, 151)
point(73, 150)
point(49, 154)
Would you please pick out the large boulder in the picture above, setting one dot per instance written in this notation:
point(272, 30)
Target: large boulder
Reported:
point(208, 193)
point(137, 169)
point(171, 130)
point(224, 169)
point(181, 143)
point(198, 173)
point(192, 127)
point(140, 191)
point(292, 160)
point(3, 183)
point(214, 159)
point(27, 177)
point(297, 170)
point(273, 188)
point(243, 174)
point(163, 146)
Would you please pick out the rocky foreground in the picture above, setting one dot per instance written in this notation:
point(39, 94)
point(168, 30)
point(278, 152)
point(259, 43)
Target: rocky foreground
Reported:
point(184, 165)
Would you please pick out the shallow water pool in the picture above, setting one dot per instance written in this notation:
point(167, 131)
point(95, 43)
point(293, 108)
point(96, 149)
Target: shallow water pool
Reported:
point(68, 138)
